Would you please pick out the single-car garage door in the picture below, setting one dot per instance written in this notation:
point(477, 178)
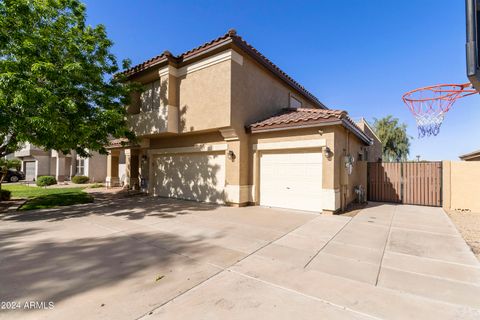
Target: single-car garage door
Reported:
point(199, 176)
point(291, 180)
point(30, 170)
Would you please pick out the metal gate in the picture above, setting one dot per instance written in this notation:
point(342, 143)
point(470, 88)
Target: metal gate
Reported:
point(418, 183)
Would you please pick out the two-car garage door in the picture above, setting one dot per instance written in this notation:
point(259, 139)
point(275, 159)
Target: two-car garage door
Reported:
point(288, 179)
point(291, 180)
point(194, 176)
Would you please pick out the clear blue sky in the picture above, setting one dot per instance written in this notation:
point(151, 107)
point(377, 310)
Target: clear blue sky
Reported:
point(356, 55)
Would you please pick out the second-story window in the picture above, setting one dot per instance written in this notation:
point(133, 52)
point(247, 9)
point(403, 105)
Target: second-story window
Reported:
point(295, 103)
point(150, 97)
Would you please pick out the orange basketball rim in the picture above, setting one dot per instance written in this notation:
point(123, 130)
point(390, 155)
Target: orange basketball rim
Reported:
point(430, 104)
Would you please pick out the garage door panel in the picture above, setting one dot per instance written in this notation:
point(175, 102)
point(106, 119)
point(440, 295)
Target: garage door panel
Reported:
point(30, 170)
point(291, 180)
point(199, 177)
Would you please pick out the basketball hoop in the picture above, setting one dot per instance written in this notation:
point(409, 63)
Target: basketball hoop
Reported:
point(430, 104)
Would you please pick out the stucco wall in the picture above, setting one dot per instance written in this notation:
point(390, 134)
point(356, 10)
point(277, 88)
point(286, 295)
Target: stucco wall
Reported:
point(375, 150)
point(204, 98)
point(461, 187)
point(43, 165)
point(346, 143)
point(97, 167)
point(194, 101)
point(335, 179)
point(185, 140)
point(257, 94)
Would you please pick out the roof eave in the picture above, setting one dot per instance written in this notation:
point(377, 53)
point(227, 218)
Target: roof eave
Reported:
point(371, 128)
point(359, 133)
point(293, 127)
point(470, 155)
point(220, 44)
point(136, 73)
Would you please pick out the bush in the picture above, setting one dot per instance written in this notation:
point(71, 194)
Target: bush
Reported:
point(5, 195)
point(80, 179)
point(43, 181)
point(96, 185)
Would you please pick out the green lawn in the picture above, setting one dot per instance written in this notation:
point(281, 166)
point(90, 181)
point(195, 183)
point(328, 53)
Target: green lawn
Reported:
point(41, 198)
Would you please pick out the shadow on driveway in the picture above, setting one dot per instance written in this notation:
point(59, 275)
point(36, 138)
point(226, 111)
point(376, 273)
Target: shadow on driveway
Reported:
point(133, 208)
point(51, 270)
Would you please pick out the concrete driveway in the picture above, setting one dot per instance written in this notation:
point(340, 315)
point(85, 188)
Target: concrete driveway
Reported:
point(165, 259)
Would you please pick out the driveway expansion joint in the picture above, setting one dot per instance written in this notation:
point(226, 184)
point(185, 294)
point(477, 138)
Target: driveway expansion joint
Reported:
point(326, 243)
point(386, 244)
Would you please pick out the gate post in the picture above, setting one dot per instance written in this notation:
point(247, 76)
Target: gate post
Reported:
point(446, 184)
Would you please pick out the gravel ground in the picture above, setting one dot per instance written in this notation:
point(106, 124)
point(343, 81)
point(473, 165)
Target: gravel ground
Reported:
point(468, 223)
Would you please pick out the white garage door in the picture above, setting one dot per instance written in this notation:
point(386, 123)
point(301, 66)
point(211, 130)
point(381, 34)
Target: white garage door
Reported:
point(30, 170)
point(291, 180)
point(199, 176)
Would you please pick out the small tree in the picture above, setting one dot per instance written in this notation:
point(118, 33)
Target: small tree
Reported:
point(394, 137)
point(57, 84)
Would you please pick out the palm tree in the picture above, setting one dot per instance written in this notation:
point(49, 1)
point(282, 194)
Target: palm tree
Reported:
point(394, 137)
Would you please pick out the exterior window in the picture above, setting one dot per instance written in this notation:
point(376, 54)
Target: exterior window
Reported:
point(80, 167)
point(295, 103)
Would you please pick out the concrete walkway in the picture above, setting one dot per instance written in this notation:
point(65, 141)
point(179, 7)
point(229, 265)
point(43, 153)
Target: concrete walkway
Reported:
point(164, 259)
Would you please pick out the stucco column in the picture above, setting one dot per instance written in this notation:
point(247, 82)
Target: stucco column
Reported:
point(236, 166)
point(60, 167)
point(112, 179)
point(169, 98)
point(143, 172)
point(331, 171)
point(447, 185)
point(132, 168)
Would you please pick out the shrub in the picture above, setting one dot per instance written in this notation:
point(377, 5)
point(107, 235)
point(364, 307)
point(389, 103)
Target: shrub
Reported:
point(80, 179)
point(43, 181)
point(96, 185)
point(5, 195)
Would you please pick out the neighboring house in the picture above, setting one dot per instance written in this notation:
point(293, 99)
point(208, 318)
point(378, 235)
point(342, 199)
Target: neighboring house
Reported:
point(10, 156)
point(375, 152)
point(472, 156)
point(38, 162)
point(221, 123)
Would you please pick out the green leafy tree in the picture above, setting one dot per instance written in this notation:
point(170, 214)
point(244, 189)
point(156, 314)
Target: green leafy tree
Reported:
point(58, 88)
point(394, 137)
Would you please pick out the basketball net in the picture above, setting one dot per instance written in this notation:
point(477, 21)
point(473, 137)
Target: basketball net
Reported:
point(429, 105)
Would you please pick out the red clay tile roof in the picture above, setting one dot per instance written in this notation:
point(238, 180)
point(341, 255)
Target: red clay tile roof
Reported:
point(294, 117)
point(230, 37)
point(305, 117)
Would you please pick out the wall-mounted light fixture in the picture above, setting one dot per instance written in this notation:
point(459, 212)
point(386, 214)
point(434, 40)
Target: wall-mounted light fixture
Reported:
point(144, 158)
point(231, 155)
point(327, 152)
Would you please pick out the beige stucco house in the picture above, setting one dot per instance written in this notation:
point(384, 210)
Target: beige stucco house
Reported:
point(221, 123)
point(39, 162)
